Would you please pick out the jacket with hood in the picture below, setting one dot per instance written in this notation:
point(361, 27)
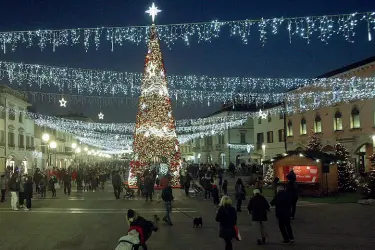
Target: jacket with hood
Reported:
point(127, 242)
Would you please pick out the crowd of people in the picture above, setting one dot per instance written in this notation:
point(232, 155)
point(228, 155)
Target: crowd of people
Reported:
point(22, 186)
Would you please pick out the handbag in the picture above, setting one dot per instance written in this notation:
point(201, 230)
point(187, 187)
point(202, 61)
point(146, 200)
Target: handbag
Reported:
point(238, 235)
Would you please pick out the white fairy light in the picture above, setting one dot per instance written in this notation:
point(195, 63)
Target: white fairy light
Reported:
point(262, 115)
point(322, 28)
point(62, 102)
point(153, 11)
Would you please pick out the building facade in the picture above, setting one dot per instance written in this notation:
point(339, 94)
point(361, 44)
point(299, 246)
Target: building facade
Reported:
point(269, 134)
point(16, 131)
point(225, 147)
point(349, 123)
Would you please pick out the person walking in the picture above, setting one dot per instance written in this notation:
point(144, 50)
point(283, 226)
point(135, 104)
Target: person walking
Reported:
point(3, 186)
point(52, 184)
point(28, 192)
point(207, 186)
point(14, 187)
point(225, 187)
point(282, 203)
point(187, 180)
point(215, 195)
point(258, 207)
point(167, 197)
point(67, 183)
point(240, 193)
point(292, 191)
point(21, 192)
point(149, 185)
point(116, 183)
point(259, 184)
point(227, 217)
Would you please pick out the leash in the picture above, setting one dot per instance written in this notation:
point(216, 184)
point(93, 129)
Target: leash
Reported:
point(184, 213)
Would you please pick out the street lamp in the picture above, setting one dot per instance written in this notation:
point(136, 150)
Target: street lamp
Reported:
point(45, 137)
point(74, 145)
point(78, 150)
point(86, 149)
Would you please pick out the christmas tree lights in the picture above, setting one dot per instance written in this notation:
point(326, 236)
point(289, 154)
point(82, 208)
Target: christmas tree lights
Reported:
point(346, 174)
point(155, 138)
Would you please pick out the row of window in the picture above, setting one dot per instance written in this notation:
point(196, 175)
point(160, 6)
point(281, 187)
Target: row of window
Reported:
point(21, 140)
point(208, 140)
point(12, 116)
point(337, 123)
point(270, 139)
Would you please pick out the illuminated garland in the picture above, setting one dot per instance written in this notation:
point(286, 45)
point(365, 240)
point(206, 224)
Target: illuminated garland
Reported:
point(307, 28)
point(190, 87)
point(247, 147)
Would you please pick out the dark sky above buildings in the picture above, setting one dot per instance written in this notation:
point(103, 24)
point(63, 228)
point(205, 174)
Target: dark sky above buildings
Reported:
point(224, 56)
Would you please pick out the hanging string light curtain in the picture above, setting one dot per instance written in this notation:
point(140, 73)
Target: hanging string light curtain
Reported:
point(308, 28)
point(111, 87)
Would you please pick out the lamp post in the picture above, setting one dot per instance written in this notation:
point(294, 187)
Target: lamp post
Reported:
point(45, 139)
point(77, 151)
point(263, 152)
point(52, 145)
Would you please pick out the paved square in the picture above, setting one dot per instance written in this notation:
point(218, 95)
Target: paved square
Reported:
point(95, 221)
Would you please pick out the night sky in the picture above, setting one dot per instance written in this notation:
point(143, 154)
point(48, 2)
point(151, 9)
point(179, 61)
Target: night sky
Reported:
point(224, 56)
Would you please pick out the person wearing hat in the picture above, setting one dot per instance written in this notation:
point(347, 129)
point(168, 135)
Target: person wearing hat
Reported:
point(258, 207)
point(142, 226)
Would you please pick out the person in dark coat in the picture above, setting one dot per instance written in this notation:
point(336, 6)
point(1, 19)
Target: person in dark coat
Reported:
point(149, 186)
point(67, 183)
point(240, 193)
point(227, 217)
point(207, 186)
point(116, 183)
point(282, 203)
point(291, 176)
point(142, 226)
point(167, 197)
point(292, 190)
point(258, 207)
point(28, 192)
point(215, 195)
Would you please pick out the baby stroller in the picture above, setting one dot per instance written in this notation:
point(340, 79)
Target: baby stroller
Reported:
point(129, 241)
point(196, 189)
point(128, 192)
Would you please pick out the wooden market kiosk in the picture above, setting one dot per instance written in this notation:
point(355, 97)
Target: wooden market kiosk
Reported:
point(315, 171)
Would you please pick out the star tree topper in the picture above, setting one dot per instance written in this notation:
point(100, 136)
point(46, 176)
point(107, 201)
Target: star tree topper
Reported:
point(262, 114)
point(101, 116)
point(62, 102)
point(153, 11)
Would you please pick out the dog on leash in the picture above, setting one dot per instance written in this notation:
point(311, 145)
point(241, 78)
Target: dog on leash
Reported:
point(197, 222)
point(156, 218)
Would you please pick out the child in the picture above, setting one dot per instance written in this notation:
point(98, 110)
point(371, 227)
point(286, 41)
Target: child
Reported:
point(225, 187)
point(215, 195)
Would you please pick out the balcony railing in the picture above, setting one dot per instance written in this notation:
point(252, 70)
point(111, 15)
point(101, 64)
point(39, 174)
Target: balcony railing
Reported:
point(11, 145)
point(31, 148)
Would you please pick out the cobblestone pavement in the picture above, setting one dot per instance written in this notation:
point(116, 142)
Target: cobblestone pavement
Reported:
point(96, 221)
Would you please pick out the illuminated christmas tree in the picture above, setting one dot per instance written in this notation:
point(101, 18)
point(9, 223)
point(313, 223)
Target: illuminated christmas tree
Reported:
point(155, 138)
point(345, 169)
point(315, 143)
